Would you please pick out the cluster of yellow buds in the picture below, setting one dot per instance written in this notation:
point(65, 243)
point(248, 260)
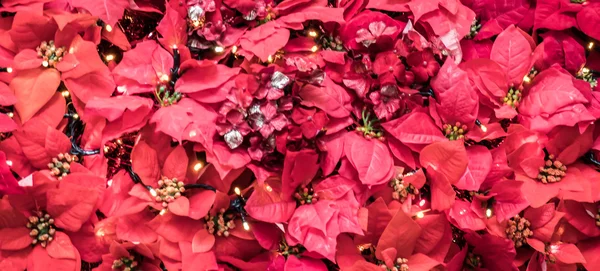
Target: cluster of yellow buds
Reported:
point(402, 191)
point(125, 264)
point(169, 190)
point(518, 230)
point(552, 171)
point(42, 229)
point(61, 165)
point(454, 132)
point(50, 53)
point(306, 195)
point(513, 97)
point(219, 224)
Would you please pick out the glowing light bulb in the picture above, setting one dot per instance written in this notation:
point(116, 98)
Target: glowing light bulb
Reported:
point(9, 163)
point(75, 116)
point(153, 192)
point(163, 212)
point(270, 58)
point(108, 28)
point(268, 188)
point(10, 114)
point(312, 33)
point(526, 79)
point(119, 141)
point(109, 183)
point(420, 215)
point(9, 70)
point(65, 93)
point(45, 63)
point(483, 128)
point(237, 191)
point(164, 78)
point(100, 233)
point(174, 46)
point(488, 212)
point(314, 48)
point(196, 23)
point(109, 57)
point(197, 166)
point(361, 248)
point(590, 46)
point(234, 49)
point(585, 70)
point(219, 49)
point(422, 202)
point(246, 226)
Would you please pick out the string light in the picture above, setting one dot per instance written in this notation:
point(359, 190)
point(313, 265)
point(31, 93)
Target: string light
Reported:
point(526, 79)
point(312, 33)
point(174, 46)
point(45, 63)
point(10, 114)
point(420, 215)
point(152, 192)
point(590, 45)
point(197, 166)
point(270, 58)
point(483, 128)
point(488, 213)
point(108, 28)
point(110, 57)
point(100, 233)
point(9, 163)
point(109, 183)
point(219, 49)
point(314, 48)
point(163, 212)
point(246, 226)
point(268, 188)
point(9, 70)
point(65, 93)
point(237, 191)
point(234, 49)
point(421, 203)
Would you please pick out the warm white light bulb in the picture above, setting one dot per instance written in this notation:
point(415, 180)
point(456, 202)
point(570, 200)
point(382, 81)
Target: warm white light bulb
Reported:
point(108, 28)
point(237, 191)
point(197, 166)
point(246, 226)
point(219, 49)
point(488, 212)
point(314, 48)
point(420, 215)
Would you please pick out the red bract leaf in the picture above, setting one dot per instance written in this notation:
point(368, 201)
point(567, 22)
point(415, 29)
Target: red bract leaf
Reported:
point(172, 28)
point(489, 79)
point(333, 148)
point(313, 12)
point(144, 162)
point(202, 241)
point(330, 98)
point(498, 16)
point(204, 76)
point(401, 233)
point(480, 163)
point(447, 158)
point(456, 100)
point(567, 253)
point(71, 207)
point(512, 52)
point(110, 11)
point(509, 200)
point(299, 168)
point(378, 218)
point(464, 217)
point(416, 131)
point(588, 18)
point(196, 261)
point(265, 40)
point(435, 238)
point(548, 14)
point(33, 89)
point(297, 264)
point(268, 205)
point(334, 187)
point(370, 157)
point(315, 227)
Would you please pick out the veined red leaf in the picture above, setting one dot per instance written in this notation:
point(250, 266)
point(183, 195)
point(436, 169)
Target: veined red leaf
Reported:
point(269, 206)
point(512, 52)
point(370, 157)
point(110, 11)
point(33, 89)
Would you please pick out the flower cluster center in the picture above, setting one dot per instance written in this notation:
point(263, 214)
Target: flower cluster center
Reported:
point(50, 53)
point(518, 230)
point(454, 132)
point(332, 43)
point(286, 250)
point(125, 264)
point(369, 127)
point(61, 165)
point(475, 26)
point(165, 96)
point(305, 195)
point(553, 171)
point(42, 229)
point(220, 224)
point(513, 98)
point(169, 190)
point(586, 75)
point(473, 260)
point(401, 191)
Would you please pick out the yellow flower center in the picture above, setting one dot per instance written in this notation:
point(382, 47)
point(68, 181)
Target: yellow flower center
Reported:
point(50, 53)
point(42, 229)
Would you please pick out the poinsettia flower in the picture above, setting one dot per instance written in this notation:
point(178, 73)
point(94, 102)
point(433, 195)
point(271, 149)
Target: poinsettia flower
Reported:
point(556, 255)
point(164, 188)
point(581, 216)
point(8, 183)
point(129, 255)
point(542, 171)
point(370, 28)
point(38, 224)
point(393, 248)
point(484, 252)
point(56, 54)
